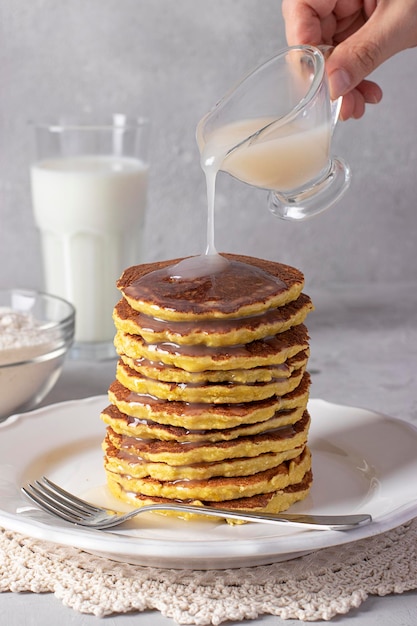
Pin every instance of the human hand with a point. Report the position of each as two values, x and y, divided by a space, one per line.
365 33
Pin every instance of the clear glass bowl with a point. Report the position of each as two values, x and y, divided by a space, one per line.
36 331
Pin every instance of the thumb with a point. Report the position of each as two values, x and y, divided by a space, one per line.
350 66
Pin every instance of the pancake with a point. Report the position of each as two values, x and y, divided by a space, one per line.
219 489
181 454
211 392
271 502
205 415
123 424
167 373
118 461
216 332
155 289
263 352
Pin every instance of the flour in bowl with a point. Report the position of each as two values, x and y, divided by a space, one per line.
31 355
22 337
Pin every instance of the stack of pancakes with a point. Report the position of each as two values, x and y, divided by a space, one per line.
209 405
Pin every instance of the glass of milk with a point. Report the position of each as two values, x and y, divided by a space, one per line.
89 191
273 130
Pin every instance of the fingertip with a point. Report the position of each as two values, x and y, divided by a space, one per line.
371 92
353 106
340 83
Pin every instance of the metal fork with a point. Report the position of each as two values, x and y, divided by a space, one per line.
55 500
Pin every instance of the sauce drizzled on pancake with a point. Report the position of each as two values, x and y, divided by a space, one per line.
235 285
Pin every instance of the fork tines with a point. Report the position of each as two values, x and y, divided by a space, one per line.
57 501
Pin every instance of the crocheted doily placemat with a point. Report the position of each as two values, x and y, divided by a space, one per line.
317 586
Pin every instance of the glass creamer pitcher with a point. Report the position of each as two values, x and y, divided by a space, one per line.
273 131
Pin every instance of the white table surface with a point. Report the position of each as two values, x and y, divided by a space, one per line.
363 353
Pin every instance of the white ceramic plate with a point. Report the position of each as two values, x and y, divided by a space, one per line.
363 462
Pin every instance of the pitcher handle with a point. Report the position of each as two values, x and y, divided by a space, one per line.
326 50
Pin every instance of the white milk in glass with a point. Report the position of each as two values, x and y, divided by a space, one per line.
90 212
279 159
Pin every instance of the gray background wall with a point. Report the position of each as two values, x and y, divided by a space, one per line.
173 60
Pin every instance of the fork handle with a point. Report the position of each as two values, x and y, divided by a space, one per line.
319 522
